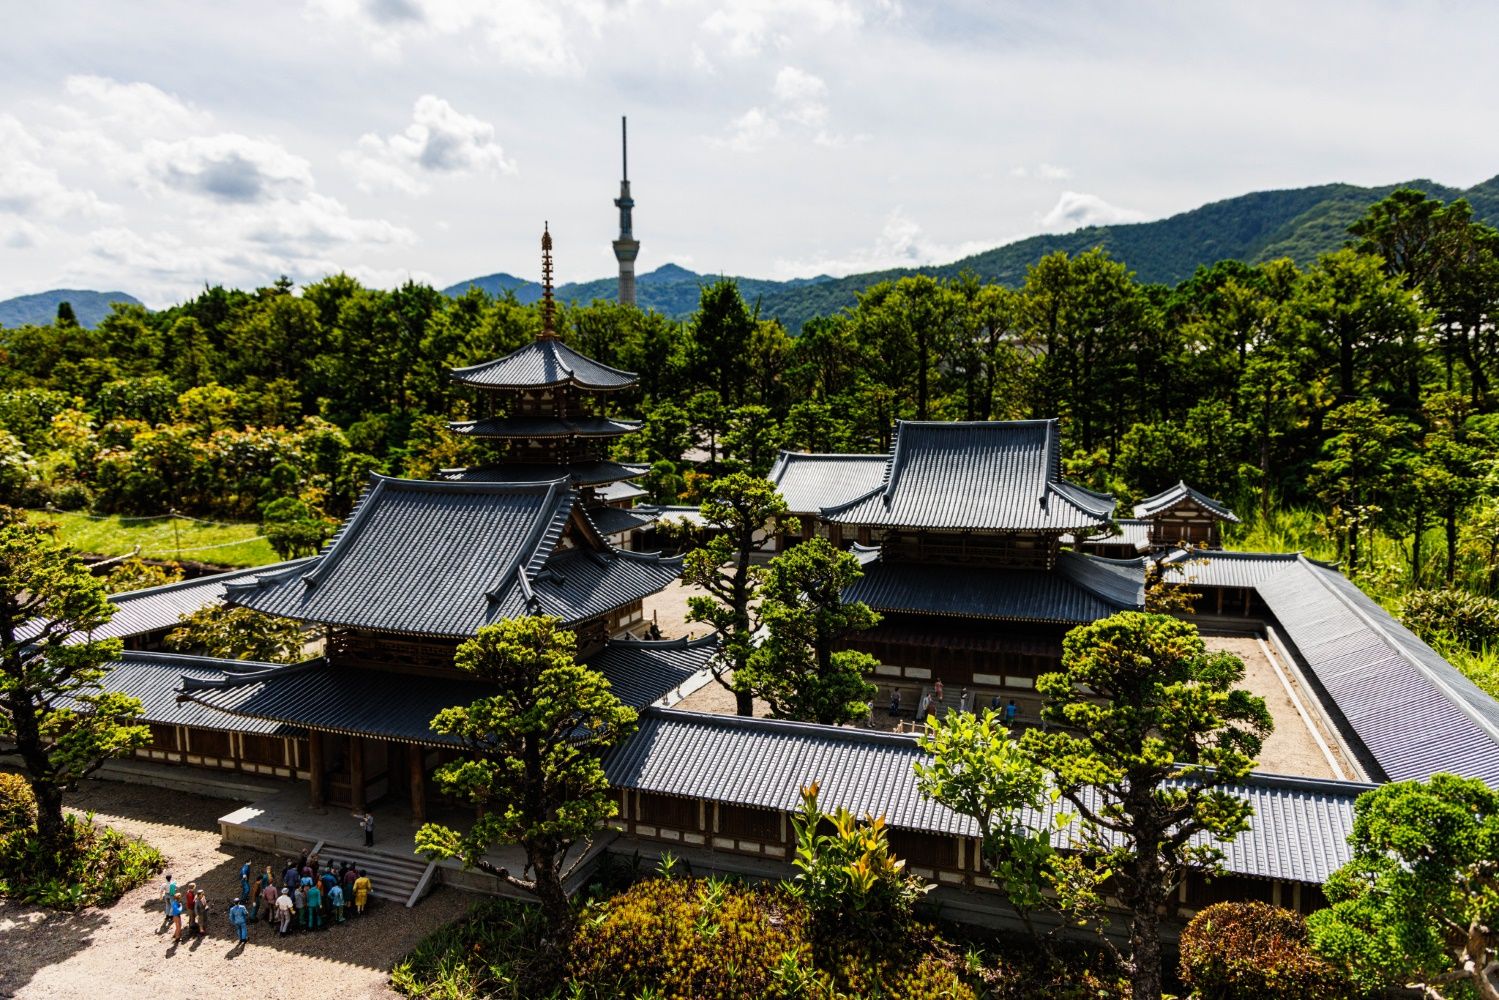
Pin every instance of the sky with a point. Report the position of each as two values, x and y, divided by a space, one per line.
156 146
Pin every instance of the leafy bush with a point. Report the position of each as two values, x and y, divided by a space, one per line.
17 803
1255 951
494 951
98 865
848 877
1452 616
717 940
705 939
72 496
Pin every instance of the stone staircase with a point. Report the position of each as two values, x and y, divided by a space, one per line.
401 880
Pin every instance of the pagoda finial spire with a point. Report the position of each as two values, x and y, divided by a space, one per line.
548 307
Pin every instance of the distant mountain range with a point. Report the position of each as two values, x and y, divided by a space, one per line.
1300 223
88 307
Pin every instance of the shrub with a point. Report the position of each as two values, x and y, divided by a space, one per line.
98 865
705 939
72 496
848 877
1452 615
494 951
1255 951
17 803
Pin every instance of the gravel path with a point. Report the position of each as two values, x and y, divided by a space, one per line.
1291 748
125 951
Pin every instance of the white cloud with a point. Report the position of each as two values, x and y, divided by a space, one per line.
745 28
536 36
440 139
751 131
30 185
1044 171
227 167
138 108
802 96
799 107
1076 211
901 243
17 234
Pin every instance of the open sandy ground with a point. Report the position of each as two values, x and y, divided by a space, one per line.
125 951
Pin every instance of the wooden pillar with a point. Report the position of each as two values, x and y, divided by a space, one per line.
415 758
356 772
315 769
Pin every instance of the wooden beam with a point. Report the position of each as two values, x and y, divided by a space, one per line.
316 792
414 758
356 772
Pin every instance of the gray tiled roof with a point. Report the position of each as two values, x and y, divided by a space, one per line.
613 520
1299 832
581 473
154 678
1410 709
440 558
350 700
615 492
808 483
1157 505
543 427
543 363
642 672
1126 532
977 475
1222 568
1081 589
152 609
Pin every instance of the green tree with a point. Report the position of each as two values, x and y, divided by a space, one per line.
51 707
753 438
1357 473
294 527
720 334
238 634
797 670
533 756
1418 903
978 770
739 510
1148 734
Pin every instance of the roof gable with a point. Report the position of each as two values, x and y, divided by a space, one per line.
1152 507
543 363
810 482
976 475
446 558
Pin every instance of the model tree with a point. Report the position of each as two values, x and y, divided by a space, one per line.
737 508
796 670
533 757
238 634
1418 903
1148 731
51 708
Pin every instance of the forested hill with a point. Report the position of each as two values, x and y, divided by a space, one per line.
88 307
1300 224
669 289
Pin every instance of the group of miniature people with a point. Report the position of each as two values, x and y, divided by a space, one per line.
932 704
308 896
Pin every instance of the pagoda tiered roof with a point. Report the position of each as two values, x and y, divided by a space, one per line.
1081 589
446 558
1152 507
542 364
600 473
544 427
976 476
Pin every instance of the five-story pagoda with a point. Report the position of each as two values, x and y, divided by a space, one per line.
546 407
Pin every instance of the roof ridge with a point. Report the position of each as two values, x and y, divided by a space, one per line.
143 656
209 579
339 545
848 734
1399 649
681 642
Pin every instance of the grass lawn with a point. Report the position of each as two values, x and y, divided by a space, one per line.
163 538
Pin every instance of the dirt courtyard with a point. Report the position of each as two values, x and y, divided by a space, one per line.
1291 748
125 951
